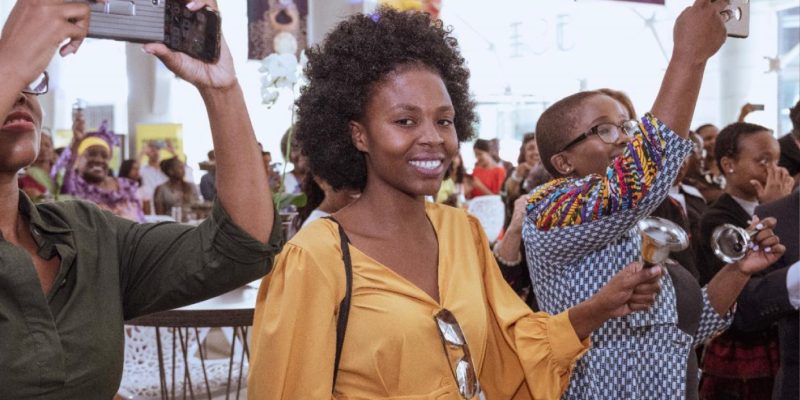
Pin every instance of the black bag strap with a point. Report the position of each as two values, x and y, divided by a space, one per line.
344 306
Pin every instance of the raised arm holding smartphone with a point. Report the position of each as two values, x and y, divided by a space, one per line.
196 32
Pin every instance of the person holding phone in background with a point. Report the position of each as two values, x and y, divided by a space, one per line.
72 273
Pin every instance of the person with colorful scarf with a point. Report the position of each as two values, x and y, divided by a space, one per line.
611 172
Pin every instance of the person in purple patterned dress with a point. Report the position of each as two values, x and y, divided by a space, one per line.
87 173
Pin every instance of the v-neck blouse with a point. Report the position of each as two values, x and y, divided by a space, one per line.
392 347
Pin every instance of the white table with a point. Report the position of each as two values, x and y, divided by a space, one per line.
230 310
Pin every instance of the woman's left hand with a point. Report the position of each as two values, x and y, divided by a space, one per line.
203 75
766 247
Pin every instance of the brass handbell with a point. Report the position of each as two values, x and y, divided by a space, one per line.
730 242
659 238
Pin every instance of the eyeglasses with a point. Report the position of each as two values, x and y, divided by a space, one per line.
607 132
456 349
39 86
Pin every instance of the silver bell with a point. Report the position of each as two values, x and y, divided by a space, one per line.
659 238
730 242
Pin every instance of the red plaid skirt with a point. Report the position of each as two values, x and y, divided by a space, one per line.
736 369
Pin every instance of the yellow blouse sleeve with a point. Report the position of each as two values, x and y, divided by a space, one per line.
536 348
294 328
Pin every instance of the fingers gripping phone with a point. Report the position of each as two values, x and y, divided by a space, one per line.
738 23
167 21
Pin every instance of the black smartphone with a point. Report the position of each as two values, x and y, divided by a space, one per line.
168 21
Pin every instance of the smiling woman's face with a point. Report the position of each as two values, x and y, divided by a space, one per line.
407 134
20 134
93 164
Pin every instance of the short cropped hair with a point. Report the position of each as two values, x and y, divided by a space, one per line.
555 123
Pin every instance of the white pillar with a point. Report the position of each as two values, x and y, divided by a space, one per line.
323 15
743 76
148 91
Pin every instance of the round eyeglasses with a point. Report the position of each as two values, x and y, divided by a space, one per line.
39 86
607 132
456 349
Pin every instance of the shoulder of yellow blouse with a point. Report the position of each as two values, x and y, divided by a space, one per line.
321 235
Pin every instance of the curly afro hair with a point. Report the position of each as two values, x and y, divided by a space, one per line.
359 53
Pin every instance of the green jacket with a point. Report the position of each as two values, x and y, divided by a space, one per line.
68 344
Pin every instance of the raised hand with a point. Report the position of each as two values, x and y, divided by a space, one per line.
35 29
745 111
700 31
779 184
203 75
78 133
766 247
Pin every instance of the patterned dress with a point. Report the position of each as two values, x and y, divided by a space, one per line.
579 233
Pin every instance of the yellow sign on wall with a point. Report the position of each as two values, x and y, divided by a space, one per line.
162 136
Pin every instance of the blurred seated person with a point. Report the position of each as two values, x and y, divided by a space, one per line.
696 172
487 176
37 182
151 172
273 176
292 182
130 169
208 186
527 160
87 173
710 171
175 192
452 188
494 149
323 199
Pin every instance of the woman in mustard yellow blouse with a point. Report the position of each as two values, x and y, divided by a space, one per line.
430 316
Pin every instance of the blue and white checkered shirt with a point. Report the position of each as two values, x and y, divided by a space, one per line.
643 355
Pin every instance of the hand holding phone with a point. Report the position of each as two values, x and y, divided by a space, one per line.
195 31
738 18
203 75
27 48
699 31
